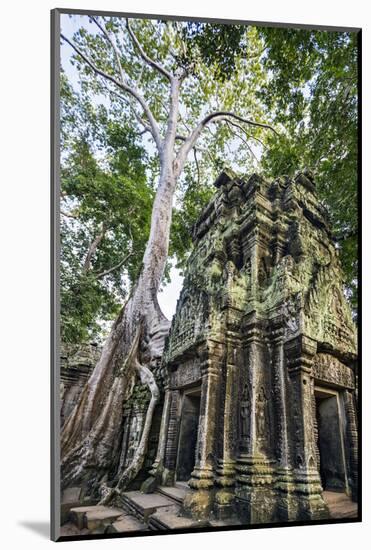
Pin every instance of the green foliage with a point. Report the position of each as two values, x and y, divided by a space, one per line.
111 199
194 198
217 44
307 83
312 92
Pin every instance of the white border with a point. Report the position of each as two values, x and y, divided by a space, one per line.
24 230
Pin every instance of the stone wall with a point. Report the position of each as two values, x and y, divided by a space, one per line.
77 363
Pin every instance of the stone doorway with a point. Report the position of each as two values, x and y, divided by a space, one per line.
188 434
330 440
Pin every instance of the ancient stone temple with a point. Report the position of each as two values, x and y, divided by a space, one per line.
259 410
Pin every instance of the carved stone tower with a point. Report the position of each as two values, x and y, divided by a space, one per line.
259 413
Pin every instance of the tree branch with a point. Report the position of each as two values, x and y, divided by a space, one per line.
197 166
123 86
144 56
160 38
111 269
217 116
92 249
179 137
68 215
115 49
127 100
236 125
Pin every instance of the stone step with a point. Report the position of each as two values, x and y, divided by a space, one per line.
339 514
228 522
71 498
69 529
94 517
333 496
142 505
169 517
176 493
126 524
340 505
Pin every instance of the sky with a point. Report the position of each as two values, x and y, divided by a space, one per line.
168 295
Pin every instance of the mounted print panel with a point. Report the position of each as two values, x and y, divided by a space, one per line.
205 207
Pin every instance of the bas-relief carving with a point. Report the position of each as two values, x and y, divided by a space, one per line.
190 322
262 271
186 374
327 368
262 421
290 312
245 405
328 317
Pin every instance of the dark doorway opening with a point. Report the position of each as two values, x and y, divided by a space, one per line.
188 435
330 441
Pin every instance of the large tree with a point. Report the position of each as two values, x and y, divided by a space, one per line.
145 68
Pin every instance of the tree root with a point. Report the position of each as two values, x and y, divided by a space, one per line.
146 378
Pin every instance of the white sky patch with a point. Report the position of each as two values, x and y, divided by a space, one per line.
169 294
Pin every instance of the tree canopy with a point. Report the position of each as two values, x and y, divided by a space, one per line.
308 89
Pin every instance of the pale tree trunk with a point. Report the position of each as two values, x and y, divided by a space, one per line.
89 440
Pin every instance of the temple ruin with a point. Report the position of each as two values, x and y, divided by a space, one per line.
257 420
259 412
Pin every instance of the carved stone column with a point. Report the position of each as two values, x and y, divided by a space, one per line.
299 354
280 382
226 462
198 503
125 439
254 492
315 432
279 247
286 509
352 436
171 444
